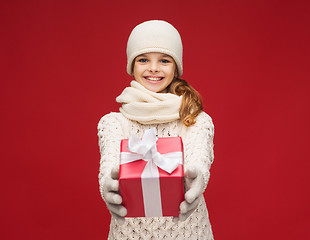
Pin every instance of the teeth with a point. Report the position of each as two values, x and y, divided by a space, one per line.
154 78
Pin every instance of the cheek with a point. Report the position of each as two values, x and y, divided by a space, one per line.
172 72
137 69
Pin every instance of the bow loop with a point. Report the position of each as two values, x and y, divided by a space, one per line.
146 148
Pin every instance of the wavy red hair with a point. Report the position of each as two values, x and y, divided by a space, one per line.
191 104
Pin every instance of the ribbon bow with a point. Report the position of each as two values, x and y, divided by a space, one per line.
146 150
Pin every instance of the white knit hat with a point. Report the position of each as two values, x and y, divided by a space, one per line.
155 36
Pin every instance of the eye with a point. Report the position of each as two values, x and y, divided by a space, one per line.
142 60
165 61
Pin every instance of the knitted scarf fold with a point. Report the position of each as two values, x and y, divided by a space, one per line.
147 107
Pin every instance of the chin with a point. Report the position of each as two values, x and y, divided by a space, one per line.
153 88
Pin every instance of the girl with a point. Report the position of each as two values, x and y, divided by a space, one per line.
158 98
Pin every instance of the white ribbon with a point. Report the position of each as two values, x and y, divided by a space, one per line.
146 150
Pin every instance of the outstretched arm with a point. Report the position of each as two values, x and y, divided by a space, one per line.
198 143
110 135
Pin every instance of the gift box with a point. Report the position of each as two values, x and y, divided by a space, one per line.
151 175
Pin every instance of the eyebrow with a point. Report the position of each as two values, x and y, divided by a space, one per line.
164 55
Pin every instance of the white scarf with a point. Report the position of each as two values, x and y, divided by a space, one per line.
147 107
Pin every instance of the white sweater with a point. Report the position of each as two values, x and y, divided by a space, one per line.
198 151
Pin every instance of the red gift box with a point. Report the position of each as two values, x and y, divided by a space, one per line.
146 189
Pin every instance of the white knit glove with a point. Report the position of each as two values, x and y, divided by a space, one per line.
112 197
193 193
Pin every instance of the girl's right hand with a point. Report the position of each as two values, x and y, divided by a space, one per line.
112 197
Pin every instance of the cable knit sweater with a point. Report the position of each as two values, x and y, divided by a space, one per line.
198 151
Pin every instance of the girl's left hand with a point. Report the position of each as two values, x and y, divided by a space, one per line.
194 191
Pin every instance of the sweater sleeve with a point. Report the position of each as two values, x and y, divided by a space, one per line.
198 146
110 136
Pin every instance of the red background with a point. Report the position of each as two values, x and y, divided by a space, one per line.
62 65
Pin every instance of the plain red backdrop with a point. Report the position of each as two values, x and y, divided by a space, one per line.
62 65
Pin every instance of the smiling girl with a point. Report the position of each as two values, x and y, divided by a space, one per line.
155 71
158 98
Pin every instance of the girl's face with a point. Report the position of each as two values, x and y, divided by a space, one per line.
154 71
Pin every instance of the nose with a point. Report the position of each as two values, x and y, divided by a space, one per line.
153 67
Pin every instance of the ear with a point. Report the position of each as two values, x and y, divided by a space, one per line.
176 73
133 67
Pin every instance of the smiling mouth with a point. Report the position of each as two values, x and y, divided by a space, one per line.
153 78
